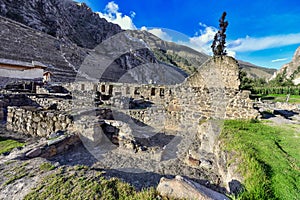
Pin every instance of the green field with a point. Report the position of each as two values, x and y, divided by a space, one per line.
269 158
6 145
279 98
283 97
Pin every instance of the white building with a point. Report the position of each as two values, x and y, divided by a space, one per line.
21 70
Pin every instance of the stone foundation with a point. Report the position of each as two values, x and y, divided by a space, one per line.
37 122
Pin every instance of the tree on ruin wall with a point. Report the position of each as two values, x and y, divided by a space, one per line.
218 45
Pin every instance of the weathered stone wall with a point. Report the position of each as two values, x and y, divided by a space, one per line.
36 122
150 92
269 106
9 99
211 93
217 72
61 103
39 122
1 110
241 107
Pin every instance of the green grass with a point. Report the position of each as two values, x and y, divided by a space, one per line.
46 167
78 183
269 159
282 98
6 145
17 173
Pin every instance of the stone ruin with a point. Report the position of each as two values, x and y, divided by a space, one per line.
146 127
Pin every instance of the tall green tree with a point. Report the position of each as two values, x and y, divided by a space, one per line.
218 45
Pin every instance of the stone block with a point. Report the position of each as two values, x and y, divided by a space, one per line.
36 119
181 188
34 152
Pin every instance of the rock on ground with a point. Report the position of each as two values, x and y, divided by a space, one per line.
181 188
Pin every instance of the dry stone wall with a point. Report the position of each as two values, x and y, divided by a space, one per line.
217 72
46 102
36 122
212 92
2 110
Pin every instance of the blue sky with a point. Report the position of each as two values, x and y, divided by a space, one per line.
265 33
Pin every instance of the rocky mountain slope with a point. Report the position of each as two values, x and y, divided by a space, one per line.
172 53
291 70
66 35
19 42
188 59
254 71
57 33
61 19
69 33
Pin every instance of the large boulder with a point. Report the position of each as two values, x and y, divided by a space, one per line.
181 188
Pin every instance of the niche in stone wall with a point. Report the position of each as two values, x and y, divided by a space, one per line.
110 90
94 87
161 92
127 90
82 87
118 93
152 91
137 91
103 88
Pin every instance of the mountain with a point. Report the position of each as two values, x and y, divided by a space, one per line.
291 70
64 35
71 40
169 52
189 59
19 42
254 71
61 19
59 34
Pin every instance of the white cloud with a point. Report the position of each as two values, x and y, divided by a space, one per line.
112 14
144 28
231 53
132 14
203 39
255 44
279 60
159 33
112 7
200 42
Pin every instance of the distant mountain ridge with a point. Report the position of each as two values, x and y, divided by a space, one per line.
255 71
62 34
193 57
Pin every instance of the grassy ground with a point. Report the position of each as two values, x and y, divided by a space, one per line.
15 174
281 98
77 183
6 145
269 158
